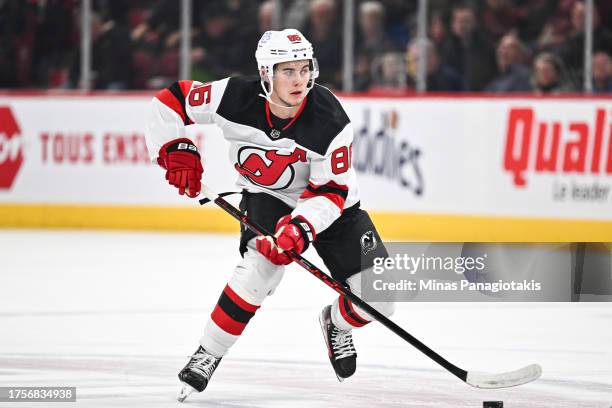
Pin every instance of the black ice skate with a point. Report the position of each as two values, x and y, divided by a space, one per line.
340 346
196 374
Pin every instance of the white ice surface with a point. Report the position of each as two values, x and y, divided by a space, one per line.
116 314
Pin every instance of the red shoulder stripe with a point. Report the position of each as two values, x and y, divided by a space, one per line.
174 97
167 98
185 86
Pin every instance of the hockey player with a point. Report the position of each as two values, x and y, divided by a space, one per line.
290 143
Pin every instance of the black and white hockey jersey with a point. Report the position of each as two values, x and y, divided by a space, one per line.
306 163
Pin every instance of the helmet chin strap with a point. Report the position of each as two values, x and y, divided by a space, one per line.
271 102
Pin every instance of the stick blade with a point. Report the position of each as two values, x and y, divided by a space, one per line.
503 380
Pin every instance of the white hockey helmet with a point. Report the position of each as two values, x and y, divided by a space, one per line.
275 47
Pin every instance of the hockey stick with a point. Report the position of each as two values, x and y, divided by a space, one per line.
473 378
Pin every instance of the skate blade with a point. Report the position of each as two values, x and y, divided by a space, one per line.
186 390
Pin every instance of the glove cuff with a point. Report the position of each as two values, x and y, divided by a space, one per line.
183 144
306 229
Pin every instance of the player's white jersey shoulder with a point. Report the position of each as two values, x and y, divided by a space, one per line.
320 122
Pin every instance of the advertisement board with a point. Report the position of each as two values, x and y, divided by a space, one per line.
441 157
502 157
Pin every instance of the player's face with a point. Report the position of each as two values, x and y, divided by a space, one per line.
290 82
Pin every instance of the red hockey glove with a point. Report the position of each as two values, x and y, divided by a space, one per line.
291 234
184 170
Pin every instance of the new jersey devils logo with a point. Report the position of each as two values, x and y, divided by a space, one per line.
368 242
268 168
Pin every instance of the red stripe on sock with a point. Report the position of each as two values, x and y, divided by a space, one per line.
349 319
239 301
226 323
357 316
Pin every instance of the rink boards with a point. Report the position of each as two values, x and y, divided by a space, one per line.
430 168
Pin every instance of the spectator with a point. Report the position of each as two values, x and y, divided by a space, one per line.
499 17
155 45
514 75
295 13
244 33
389 73
57 39
111 56
437 28
265 16
213 58
362 72
17 35
553 33
605 12
163 20
533 16
440 78
397 14
372 42
572 51
468 51
323 31
548 75
602 73
39 40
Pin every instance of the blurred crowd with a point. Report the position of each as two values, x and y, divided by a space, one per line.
472 46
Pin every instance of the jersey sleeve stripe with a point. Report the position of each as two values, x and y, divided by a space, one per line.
334 198
336 193
330 187
174 98
167 98
178 90
185 87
